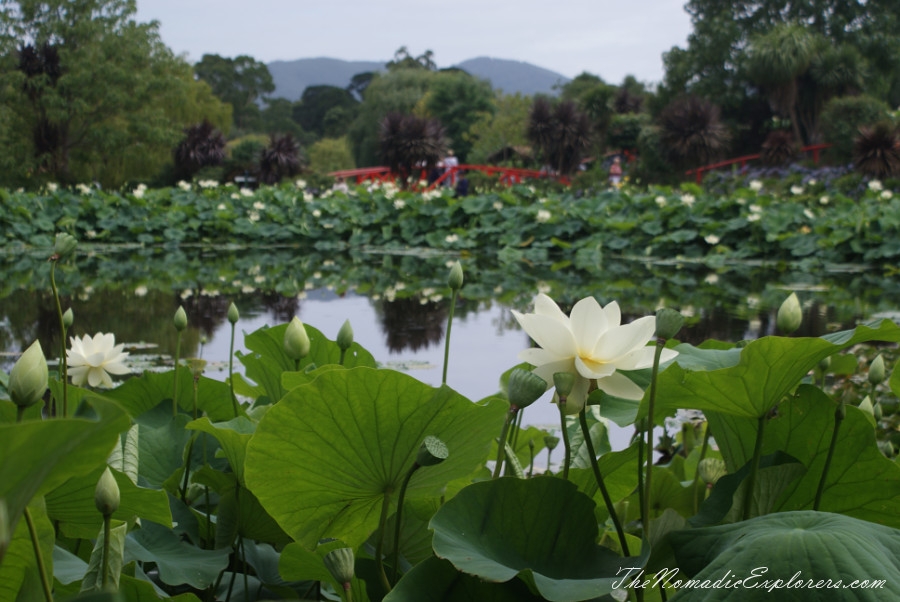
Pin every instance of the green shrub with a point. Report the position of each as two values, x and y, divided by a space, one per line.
841 119
330 154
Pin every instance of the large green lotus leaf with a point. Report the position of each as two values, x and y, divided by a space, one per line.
72 504
267 360
619 476
803 429
298 564
38 456
769 368
139 395
599 438
233 436
178 561
322 459
93 578
67 567
542 529
19 577
812 545
161 446
436 580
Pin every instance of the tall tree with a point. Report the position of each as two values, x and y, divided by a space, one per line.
87 93
457 99
560 133
242 82
317 102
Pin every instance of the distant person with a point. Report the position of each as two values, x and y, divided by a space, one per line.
615 172
450 164
340 185
462 185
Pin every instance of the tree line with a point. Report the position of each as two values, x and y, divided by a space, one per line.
87 94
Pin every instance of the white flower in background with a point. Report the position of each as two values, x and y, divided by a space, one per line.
327 263
592 344
246 192
399 204
543 287
543 216
222 206
875 186
711 278
498 205
753 217
328 226
209 184
542 200
796 189
258 205
886 194
186 293
308 197
92 359
140 291
711 239
139 191
756 185
184 185
660 200
317 275
259 279
235 196
532 189
740 201
300 184
85 189
91 234
247 289
756 209
52 186
451 238
327 193
688 199
253 216
809 214
823 200
812 182
316 213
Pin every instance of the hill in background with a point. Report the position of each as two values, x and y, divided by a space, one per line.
292 77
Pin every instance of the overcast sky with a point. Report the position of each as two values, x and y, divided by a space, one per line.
604 37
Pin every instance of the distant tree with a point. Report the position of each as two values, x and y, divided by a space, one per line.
560 133
241 82
409 142
691 133
456 99
779 148
330 154
503 128
841 119
280 159
278 116
629 98
317 101
876 150
203 146
359 83
404 60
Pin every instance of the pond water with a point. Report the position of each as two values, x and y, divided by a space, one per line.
397 304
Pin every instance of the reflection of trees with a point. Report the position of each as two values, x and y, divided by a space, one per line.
411 324
283 308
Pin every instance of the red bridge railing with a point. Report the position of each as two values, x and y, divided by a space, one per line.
506 175
815 149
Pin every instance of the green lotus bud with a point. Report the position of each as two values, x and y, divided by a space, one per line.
106 495
180 319
233 314
524 388
563 381
455 280
5 531
876 370
668 323
711 470
789 315
866 406
28 378
68 318
340 563
886 448
345 336
825 364
63 245
877 411
296 341
432 451
550 442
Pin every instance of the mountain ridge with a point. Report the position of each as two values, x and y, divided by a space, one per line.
510 76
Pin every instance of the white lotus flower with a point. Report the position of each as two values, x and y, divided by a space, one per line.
875 186
711 239
543 216
592 344
92 359
756 185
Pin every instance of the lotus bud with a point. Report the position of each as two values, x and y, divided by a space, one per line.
5 531
550 442
180 319
233 314
432 451
340 563
668 323
825 364
866 406
524 388
63 245
564 382
345 336
711 470
877 411
68 318
876 370
106 495
296 341
789 315
28 378
885 447
455 280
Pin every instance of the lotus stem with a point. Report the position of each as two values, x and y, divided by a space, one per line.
63 366
531 461
379 547
703 451
175 385
501 445
515 436
586 432
645 509
453 294
104 559
754 466
245 567
396 554
234 403
642 426
839 415
187 470
565 438
42 569
549 451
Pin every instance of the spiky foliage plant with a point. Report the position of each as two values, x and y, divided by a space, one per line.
409 142
876 150
779 148
560 133
691 133
280 159
203 146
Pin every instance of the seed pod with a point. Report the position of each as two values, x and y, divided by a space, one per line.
63 245
345 336
668 323
711 470
550 442
340 563
29 377
432 451
106 495
524 388
296 341
180 319
564 382
233 314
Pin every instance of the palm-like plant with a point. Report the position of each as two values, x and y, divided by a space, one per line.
409 142
280 159
560 133
877 150
690 131
203 146
779 148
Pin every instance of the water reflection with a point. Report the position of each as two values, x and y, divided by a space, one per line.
412 324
